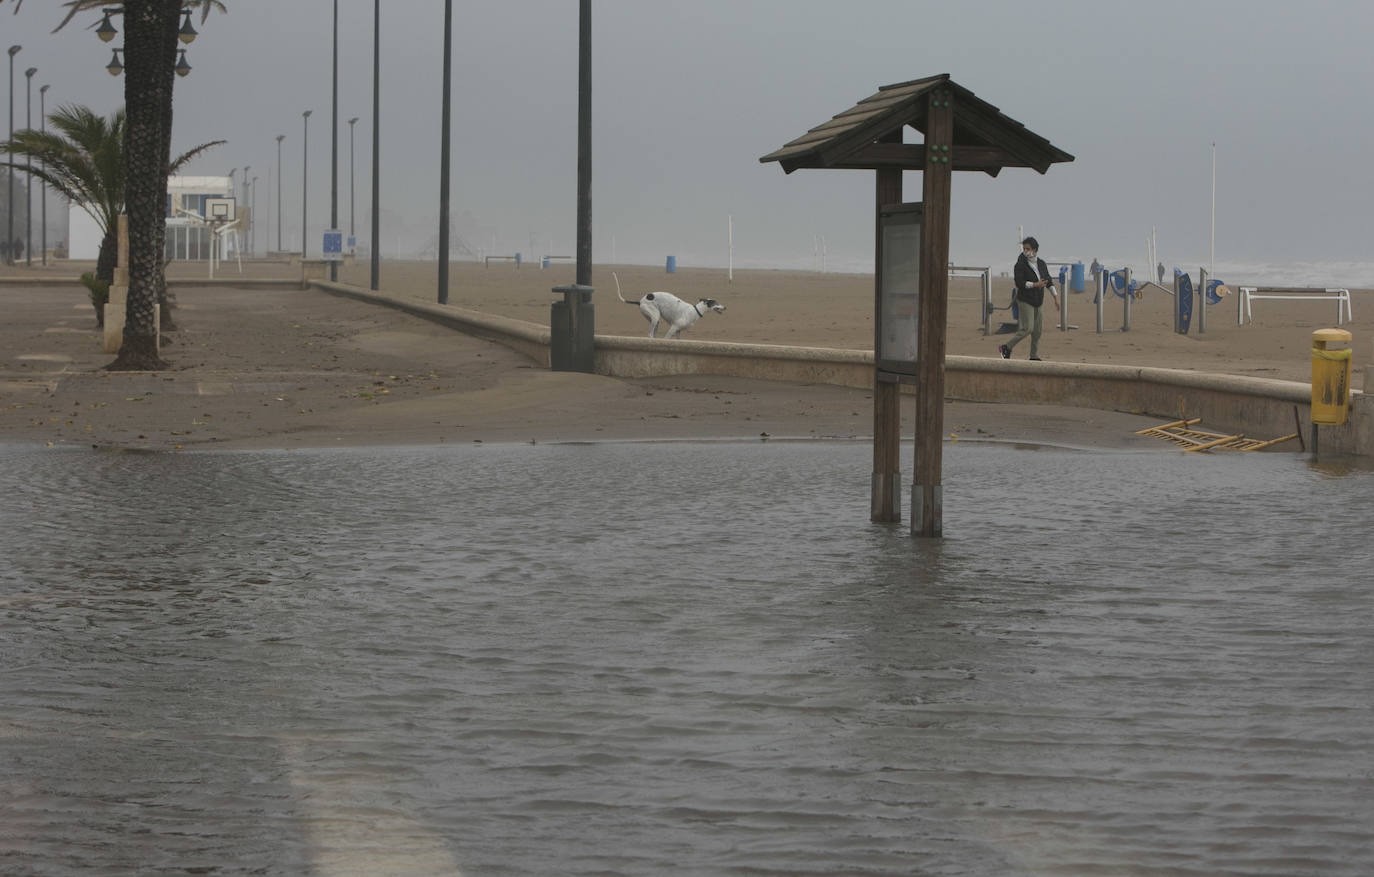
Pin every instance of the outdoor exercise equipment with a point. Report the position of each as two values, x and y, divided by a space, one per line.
1119 282
1248 294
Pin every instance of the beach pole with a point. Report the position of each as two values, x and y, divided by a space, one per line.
1178 307
730 220
1126 309
1204 276
1101 296
1064 305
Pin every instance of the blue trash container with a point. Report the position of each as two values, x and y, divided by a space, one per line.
1076 277
672 264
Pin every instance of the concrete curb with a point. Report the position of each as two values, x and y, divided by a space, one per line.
172 283
1255 407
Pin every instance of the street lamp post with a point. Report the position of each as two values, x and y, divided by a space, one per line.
305 176
9 219
43 126
252 211
334 145
376 143
28 169
352 231
444 155
247 230
280 138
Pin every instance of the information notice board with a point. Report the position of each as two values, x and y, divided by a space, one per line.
899 285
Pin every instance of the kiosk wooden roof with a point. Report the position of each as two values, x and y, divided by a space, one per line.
984 139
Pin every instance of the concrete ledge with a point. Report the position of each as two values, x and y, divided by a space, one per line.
172 282
531 339
22 280
232 282
1255 407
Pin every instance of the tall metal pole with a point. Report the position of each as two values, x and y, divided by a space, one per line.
1212 252
305 177
43 127
444 154
253 212
247 202
9 220
584 145
334 145
352 231
280 138
376 142
28 167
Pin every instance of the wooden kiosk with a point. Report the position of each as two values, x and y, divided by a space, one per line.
911 266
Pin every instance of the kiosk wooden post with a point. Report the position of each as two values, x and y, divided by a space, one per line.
926 499
887 396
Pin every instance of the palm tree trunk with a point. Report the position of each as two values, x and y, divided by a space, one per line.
150 39
109 253
104 267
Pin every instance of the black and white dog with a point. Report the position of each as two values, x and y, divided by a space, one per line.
656 306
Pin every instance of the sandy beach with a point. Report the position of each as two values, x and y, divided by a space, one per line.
271 367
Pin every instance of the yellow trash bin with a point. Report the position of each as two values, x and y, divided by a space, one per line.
1330 377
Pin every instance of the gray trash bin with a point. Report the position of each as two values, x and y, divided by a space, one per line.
572 330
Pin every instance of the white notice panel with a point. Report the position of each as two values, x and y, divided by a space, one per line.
899 285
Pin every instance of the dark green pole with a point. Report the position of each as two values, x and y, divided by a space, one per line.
443 154
334 144
584 145
376 142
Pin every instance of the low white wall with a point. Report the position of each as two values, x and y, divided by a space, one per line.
84 235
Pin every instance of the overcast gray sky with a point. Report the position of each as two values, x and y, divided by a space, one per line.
689 95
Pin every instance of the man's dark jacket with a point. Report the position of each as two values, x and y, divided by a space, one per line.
1026 273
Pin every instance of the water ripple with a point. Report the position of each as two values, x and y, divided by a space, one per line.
577 659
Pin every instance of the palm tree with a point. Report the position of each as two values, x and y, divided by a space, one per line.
82 157
150 56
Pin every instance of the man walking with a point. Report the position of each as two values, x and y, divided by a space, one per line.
1032 277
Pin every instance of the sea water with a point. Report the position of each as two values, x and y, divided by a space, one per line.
696 658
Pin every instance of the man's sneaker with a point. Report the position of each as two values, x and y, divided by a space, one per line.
1005 351
1035 359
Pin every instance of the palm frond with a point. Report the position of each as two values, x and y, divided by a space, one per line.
76 7
181 160
82 157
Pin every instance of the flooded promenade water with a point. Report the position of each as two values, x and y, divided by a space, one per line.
682 658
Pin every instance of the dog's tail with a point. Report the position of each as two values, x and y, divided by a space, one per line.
617 291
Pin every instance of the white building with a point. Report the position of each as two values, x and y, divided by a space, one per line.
187 235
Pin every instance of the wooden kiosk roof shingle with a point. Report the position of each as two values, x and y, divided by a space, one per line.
984 139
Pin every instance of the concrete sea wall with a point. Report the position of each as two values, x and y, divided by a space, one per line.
1258 408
